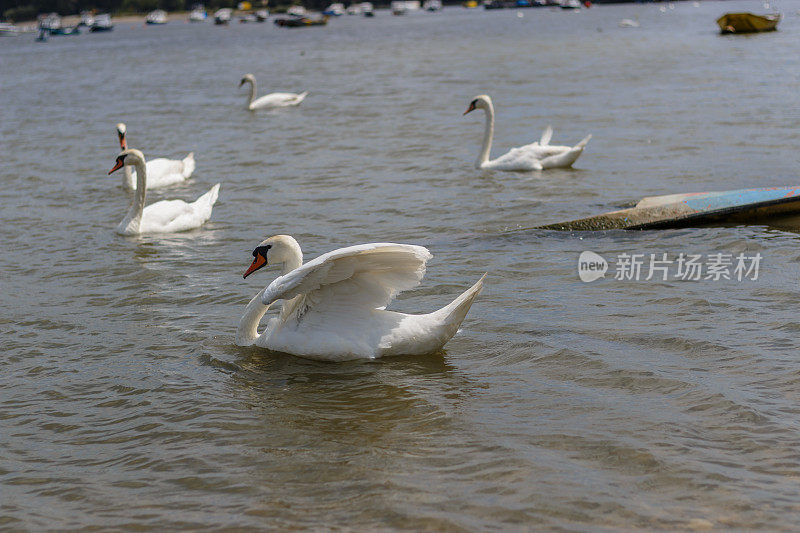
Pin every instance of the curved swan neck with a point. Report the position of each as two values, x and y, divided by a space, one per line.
247 332
133 220
127 178
252 83
488 135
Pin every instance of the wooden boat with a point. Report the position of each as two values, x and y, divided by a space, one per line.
748 22
695 209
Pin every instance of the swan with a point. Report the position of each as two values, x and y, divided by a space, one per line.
270 100
334 306
160 172
535 156
166 216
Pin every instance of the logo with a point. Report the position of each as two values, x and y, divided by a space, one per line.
591 266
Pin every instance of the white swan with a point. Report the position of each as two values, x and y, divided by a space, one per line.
160 172
270 100
166 216
334 305
536 156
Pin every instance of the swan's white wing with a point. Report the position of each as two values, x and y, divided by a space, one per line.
277 100
366 276
157 168
547 134
522 158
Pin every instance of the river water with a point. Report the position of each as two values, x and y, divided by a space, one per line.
616 404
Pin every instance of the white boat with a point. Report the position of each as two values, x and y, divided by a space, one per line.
297 11
198 14
87 19
354 9
570 4
367 9
334 10
262 15
102 23
432 5
159 16
401 7
50 21
223 16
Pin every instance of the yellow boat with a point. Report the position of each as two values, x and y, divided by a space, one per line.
748 22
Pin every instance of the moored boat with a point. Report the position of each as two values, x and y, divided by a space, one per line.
748 22
334 10
157 17
198 14
101 23
223 16
367 9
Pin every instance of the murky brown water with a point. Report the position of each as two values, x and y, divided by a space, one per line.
653 404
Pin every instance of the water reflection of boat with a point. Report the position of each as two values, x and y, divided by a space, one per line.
301 22
157 17
748 22
223 16
102 23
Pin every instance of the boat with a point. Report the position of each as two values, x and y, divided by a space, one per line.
8 29
297 11
301 22
432 5
247 17
198 14
354 9
157 17
101 23
334 10
223 16
570 4
741 206
262 15
470 4
401 7
87 19
748 22
367 9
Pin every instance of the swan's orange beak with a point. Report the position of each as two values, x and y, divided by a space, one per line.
117 166
470 108
258 262
123 144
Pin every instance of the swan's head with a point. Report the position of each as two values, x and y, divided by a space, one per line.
276 250
479 102
247 78
121 129
128 157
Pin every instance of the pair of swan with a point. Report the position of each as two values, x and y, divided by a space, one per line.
166 216
270 100
161 172
536 156
334 306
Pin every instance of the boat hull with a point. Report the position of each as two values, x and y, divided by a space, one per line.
747 22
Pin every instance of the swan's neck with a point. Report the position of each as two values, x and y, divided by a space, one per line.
488 135
128 177
132 222
252 92
247 333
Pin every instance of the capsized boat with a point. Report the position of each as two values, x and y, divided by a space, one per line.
695 209
748 22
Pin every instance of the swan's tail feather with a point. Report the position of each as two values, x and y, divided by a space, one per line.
453 314
547 134
188 165
581 145
301 97
209 198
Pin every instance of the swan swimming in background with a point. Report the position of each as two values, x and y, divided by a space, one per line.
334 306
161 172
270 100
166 216
536 156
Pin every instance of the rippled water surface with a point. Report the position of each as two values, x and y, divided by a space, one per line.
618 404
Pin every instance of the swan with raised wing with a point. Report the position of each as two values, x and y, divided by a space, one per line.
161 172
334 306
166 216
535 156
272 99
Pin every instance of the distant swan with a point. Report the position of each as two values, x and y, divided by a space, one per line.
536 156
166 216
160 172
270 100
334 306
